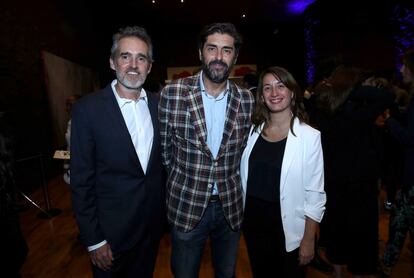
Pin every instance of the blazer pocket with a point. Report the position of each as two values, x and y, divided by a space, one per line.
186 143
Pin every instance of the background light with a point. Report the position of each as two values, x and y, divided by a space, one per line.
298 6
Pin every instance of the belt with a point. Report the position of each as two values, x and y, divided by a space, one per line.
214 198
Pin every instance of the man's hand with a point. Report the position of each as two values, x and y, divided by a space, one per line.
102 257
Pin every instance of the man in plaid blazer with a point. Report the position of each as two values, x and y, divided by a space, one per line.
204 123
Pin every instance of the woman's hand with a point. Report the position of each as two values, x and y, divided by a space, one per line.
306 251
307 245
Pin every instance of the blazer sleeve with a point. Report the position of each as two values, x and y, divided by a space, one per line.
83 175
315 197
164 110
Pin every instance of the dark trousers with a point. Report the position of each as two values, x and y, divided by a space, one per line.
138 261
352 227
266 244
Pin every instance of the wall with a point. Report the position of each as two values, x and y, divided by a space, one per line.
26 28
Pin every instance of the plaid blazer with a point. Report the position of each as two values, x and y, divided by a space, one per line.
192 169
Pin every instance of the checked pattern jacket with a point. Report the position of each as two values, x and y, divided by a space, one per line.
192 169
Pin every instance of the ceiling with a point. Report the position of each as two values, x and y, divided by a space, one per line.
270 27
177 16
198 11
167 13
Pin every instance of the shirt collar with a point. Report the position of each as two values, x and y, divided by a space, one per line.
122 101
220 96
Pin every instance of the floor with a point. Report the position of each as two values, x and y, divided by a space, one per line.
54 250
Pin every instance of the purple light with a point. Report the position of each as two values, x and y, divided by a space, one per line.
298 6
403 19
310 25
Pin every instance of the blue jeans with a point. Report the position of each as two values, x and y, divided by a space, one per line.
187 248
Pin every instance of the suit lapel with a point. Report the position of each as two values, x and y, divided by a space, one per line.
120 127
290 153
152 106
196 108
233 105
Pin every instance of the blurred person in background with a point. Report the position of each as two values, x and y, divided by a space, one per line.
402 216
13 245
345 112
70 101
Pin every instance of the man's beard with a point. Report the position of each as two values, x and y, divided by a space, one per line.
132 85
213 75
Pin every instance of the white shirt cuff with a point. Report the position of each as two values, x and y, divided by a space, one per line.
96 246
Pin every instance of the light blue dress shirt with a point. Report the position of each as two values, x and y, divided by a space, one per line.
215 116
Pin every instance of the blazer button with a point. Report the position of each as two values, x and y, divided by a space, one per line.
216 164
209 185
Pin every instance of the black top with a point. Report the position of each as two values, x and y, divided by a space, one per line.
350 144
405 135
265 165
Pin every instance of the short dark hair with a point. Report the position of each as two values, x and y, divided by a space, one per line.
222 28
134 31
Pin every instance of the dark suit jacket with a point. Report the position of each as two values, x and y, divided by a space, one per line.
405 135
112 198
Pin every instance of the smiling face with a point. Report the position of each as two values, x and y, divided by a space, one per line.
276 96
218 57
131 64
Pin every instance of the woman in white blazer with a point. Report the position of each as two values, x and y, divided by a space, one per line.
283 180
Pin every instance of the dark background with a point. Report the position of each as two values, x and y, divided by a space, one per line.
359 32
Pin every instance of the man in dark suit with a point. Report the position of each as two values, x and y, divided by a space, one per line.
204 123
117 181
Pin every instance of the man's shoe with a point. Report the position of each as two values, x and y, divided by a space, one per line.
320 264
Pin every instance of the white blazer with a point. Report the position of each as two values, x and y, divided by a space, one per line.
301 180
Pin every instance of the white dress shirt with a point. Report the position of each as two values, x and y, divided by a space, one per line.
138 121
